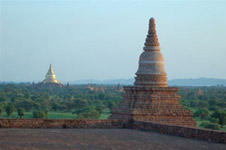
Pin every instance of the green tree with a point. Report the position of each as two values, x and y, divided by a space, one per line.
214 120
111 104
2 105
221 115
2 97
99 106
222 104
40 114
213 102
214 108
10 108
202 114
208 125
27 95
82 110
67 97
1 110
194 103
91 114
26 104
80 103
20 112
203 104
56 106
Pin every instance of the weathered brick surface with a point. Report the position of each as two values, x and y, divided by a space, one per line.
150 99
60 123
194 133
97 139
153 104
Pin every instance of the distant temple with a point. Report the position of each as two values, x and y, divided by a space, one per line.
50 76
50 79
150 99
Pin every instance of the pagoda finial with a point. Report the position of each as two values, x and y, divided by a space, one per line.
51 69
151 29
152 39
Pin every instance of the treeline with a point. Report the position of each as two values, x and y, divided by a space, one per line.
82 100
207 103
90 101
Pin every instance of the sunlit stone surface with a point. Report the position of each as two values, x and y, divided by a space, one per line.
150 99
151 71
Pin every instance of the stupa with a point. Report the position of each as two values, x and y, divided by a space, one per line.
50 79
50 76
150 99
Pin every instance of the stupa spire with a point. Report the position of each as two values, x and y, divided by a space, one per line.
151 42
51 69
151 70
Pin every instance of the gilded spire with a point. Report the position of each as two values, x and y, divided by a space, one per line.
50 76
151 42
50 69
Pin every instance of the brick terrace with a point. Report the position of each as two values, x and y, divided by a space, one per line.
68 139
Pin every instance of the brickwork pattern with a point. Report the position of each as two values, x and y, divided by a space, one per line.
194 133
153 104
151 80
60 123
188 132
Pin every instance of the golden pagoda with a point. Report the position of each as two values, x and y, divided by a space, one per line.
50 76
50 80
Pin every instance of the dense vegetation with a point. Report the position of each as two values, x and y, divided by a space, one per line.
208 105
82 101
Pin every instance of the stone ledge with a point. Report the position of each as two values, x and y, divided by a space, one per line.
60 123
147 88
182 131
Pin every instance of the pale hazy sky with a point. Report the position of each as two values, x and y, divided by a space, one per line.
102 39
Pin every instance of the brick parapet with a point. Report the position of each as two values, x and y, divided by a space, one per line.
60 123
182 131
153 104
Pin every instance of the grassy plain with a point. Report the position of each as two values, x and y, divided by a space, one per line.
104 115
69 115
54 115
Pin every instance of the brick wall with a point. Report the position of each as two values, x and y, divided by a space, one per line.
182 131
60 123
194 133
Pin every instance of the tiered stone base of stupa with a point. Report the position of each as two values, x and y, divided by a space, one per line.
153 104
43 84
151 80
